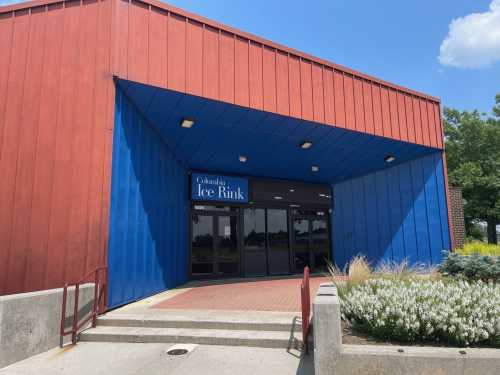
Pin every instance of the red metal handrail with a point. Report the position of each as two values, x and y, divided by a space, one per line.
99 278
305 297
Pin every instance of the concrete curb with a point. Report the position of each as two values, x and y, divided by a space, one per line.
333 357
30 322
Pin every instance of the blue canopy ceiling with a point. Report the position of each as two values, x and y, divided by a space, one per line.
222 132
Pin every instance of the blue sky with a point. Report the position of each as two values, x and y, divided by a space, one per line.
398 41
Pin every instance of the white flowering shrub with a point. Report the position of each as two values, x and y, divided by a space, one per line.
456 311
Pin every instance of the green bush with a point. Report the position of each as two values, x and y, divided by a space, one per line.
473 266
477 247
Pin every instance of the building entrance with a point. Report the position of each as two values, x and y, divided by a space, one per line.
279 229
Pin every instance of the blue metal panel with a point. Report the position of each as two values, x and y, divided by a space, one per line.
148 217
433 215
405 212
420 209
407 200
384 224
223 131
338 226
442 201
359 215
395 214
372 223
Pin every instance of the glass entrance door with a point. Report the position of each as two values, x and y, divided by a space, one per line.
214 245
311 243
226 246
254 241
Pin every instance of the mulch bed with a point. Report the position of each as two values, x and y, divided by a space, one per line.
353 337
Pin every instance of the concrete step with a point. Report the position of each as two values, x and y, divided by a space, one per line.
232 337
166 321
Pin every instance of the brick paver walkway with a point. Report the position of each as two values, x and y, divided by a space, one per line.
265 295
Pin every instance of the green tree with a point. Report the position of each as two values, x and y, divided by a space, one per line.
472 142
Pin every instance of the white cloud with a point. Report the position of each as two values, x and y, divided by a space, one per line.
473 41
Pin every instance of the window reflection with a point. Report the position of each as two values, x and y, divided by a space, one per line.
202 244
255 228
277 229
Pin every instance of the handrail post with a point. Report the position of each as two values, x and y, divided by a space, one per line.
63 315
94 308
306 308
100 278
74 329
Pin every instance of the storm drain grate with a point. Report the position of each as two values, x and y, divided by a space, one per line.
181 349
177 351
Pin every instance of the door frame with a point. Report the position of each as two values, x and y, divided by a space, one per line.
310 219
238 212
214 214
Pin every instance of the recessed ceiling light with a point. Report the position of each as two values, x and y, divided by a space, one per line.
242 158
389 158
292 190
187 123
321 195
295 205
306 145
315 168
278 198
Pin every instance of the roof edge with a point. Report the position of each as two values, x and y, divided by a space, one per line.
237 32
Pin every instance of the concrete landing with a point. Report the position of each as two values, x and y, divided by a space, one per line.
151 359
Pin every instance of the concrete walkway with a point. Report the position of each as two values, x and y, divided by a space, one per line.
151 359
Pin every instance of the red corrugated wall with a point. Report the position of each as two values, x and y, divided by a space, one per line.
56 100
56 113
166 47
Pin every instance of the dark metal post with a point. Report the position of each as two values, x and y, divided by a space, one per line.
63 315
96 293
74 328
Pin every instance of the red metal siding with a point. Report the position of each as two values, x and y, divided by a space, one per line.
227 67
349 102
176 56
306 90
157 54
282 93
377 110
255 76
241 75
340 118
294 87
318 94
269 79
52 150
237 65
368 105
165 46
386 112
194 57
329 96
359 111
